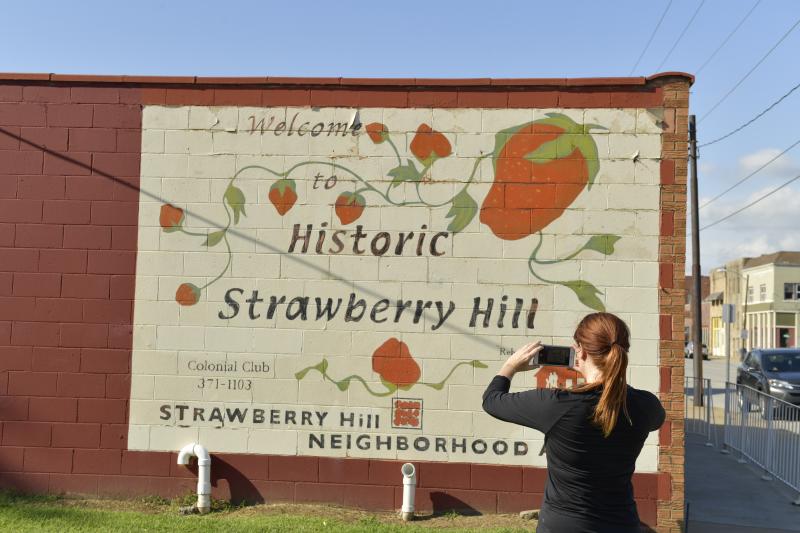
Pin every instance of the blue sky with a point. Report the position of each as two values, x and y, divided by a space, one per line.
469 39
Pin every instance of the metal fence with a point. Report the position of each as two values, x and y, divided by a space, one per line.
699 419
764 431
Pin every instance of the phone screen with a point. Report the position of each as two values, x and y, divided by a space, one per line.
555 356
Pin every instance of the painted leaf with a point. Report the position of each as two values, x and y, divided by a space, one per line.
575 136
321 367
403 173
558 148
235 198
213 238
391 387
586 293
602 243
282 184
588 148
589 127
561 121
500 140
462 210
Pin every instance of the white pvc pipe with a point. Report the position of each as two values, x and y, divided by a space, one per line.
409 488
203 473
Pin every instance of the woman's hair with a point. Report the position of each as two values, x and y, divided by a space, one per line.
606 339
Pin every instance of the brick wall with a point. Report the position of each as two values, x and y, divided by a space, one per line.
672 253
70 154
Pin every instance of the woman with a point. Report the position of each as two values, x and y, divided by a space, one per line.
593 432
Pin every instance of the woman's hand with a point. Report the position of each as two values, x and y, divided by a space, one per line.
520 360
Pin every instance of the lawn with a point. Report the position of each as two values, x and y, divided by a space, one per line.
22 513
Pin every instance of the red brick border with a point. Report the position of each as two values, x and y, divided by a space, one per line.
67 272
672 256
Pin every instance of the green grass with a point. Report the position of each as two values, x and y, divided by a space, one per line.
24 513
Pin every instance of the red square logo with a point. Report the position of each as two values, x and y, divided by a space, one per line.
406 413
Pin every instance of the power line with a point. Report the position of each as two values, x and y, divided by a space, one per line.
758 116
652 35
728 38
749 72
696 11
751 204
756 171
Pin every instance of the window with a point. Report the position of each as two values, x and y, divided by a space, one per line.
762 290
750 292
791 291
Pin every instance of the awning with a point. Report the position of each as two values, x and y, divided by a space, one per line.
714 296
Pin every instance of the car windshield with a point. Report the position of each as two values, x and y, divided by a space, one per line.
781 362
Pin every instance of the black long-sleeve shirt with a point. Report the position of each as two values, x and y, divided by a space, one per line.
589 487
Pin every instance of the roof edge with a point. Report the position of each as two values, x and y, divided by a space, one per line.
332 81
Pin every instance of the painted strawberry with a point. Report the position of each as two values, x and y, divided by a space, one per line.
377 132
539 169
171 217
349 206
282 194
429 145
187 294
393 362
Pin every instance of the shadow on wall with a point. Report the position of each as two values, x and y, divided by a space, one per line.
241 489
443 502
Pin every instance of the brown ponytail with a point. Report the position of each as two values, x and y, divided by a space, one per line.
606 339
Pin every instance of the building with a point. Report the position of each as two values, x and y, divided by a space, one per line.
147 213
726 286
704 308
766 293
773 300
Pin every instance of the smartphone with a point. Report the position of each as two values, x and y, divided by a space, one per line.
555 356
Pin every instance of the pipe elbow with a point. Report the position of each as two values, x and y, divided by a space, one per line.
202 454
409 473
185 454
194 450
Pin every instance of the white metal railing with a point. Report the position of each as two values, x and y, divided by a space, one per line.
765 431
699 419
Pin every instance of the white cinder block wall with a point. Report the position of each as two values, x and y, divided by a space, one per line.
232 383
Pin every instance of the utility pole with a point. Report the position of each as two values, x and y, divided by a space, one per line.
697 318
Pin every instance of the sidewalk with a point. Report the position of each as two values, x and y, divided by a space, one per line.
725 496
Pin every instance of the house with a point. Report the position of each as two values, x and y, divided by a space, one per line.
765 291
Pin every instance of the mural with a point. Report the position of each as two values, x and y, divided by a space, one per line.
540 168
312 285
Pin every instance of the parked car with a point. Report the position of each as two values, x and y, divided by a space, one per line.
688 350
772 371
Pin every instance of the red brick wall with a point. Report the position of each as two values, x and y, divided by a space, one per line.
69 167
